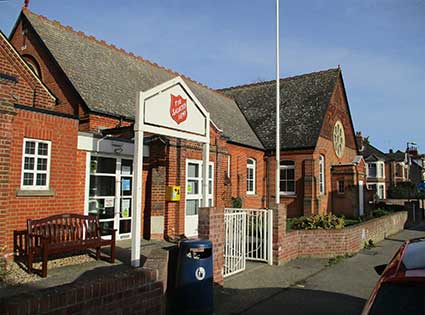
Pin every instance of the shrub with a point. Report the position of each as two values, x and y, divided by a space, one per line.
405 190
237 202
323 221
379 213
3 267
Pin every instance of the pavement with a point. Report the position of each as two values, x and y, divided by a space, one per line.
308 285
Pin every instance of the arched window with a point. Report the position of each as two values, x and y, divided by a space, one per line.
33 64
322 174
287 177
250 177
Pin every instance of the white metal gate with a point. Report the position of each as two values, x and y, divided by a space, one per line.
248 236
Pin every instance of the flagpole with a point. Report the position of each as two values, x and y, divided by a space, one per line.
277 106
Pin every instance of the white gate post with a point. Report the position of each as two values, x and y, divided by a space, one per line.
270 235
138 179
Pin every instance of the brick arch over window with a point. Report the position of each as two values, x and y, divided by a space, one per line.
33 64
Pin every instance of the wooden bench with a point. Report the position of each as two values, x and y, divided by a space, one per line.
64 233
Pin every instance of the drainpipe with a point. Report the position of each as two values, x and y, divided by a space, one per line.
267 187
215 197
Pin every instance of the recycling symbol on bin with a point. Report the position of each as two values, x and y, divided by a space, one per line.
200 273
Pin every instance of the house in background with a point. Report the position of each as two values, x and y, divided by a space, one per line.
399 167
377 167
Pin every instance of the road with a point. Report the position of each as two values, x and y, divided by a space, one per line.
310 286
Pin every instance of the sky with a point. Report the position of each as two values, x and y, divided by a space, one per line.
380 45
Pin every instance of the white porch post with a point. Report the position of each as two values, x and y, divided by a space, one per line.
138 179
205 163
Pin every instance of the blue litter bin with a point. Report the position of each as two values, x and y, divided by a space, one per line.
194 279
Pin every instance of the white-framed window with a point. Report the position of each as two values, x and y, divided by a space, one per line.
287 177
321 174
35 164
229 161
378 188
194 186
376 169
250 176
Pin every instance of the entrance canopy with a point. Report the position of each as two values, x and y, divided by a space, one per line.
169 109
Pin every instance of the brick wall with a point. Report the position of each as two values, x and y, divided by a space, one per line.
133 292
68 101
239 156
33 119
177 153
328 243
67 170
27 89
211 227
293 203
7 114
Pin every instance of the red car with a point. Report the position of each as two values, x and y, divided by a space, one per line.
401 287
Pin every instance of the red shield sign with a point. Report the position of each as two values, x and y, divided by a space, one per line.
178 108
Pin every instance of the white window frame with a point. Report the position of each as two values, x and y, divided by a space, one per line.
322 174
287 167
229 161
198 196
378 185
253 168
35 171
380 169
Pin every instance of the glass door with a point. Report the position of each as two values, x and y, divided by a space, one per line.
102 191
126 196
110 193
194 194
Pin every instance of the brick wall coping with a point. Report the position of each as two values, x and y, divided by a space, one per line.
106 292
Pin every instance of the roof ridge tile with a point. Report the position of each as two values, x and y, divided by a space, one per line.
120 50
296 77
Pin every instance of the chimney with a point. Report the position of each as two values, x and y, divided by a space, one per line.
359 141
391 151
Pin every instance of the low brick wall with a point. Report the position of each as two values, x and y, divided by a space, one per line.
328 243
135 291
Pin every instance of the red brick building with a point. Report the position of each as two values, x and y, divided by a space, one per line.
79 105
320 168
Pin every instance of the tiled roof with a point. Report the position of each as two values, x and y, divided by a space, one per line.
370 153
397 156
107 78
304 102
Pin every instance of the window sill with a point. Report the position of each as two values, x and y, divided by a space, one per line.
251 195
294 195
34 193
